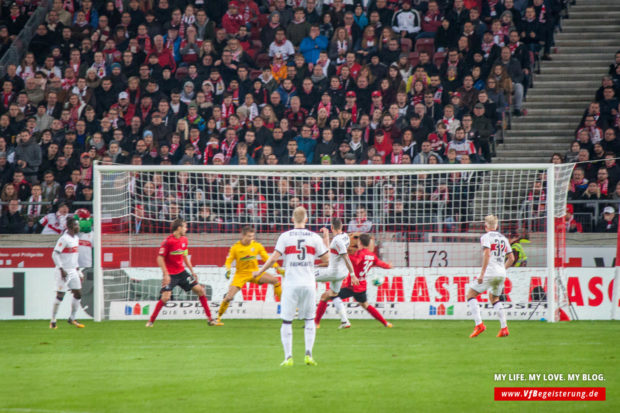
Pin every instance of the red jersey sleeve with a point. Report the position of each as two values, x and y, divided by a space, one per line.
163 250
380 263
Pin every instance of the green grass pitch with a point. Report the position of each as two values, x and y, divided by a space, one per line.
182 366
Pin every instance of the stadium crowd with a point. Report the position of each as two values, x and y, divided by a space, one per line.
596 185
167 82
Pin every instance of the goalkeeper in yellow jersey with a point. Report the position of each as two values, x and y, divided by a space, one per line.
245 253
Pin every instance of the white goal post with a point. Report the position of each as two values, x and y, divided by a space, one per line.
426 220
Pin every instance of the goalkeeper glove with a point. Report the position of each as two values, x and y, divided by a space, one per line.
227 274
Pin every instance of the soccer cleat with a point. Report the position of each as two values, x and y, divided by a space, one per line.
149 324
503 332
75 323
287 363
477 330
344 324
53 325
218 322
317 326
309 361
389 325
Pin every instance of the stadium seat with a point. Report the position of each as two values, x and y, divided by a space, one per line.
263 60
181 72
406 45
428 45
414 58
439 58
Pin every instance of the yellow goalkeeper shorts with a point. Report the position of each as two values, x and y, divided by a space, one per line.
239 280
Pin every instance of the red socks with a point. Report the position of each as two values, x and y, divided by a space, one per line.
205 305
320 310
158 307
376 314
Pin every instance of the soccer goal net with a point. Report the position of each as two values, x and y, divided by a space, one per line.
426 220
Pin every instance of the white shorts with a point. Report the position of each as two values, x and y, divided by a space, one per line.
301 298
333 276
494 284
71 282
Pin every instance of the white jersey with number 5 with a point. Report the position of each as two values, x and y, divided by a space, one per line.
299 248
499 247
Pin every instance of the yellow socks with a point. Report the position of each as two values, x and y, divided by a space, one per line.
223 308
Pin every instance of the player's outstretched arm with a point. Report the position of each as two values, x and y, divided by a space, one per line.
272 260
510 259
325 234
264 256
486 257
349 264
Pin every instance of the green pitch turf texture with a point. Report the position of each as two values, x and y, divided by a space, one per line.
182 366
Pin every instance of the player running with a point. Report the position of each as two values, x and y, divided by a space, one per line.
67 273
363 260
172 256
339 267
300 248
497 256
245 253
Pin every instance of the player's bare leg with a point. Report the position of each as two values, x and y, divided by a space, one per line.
163 299
75 306
286 334
232 291
270 279
475 311
202 297
376 314
499 307
59 296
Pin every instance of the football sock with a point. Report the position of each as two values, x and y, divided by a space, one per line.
277 289
55 309
499 307
309 335
475 310
223 308
376 314
75 306
341 310
320 310
205 305
286 333
158 307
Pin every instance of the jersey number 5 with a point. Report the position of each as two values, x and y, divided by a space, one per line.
302 250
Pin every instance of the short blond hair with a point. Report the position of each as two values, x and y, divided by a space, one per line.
490 221
299 215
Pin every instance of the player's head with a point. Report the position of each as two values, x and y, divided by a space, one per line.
73 225
490 222
365 240
300 215
179 225
336 224
247 234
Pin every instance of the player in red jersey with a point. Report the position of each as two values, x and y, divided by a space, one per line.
363 260
173 260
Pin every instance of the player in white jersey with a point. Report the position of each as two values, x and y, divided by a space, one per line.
299 247
67 273
497 256
339 267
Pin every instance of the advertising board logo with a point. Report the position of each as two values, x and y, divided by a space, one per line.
136 309
440 310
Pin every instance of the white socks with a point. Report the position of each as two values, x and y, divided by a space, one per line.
309 335
286 333
75 306
55 309
475 310
499 307
341 310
